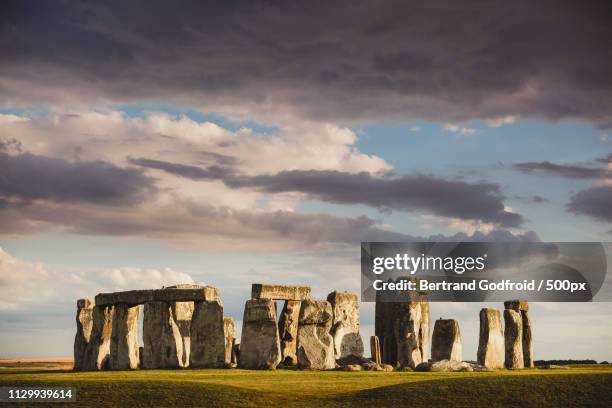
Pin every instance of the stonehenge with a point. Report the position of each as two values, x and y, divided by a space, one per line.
519 345
185 326
491 339
403 331
260 343
446 340
315 344
345 324
84 321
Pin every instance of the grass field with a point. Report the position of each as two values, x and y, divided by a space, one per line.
586 385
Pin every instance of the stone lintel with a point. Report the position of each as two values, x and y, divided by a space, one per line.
518 305
279 292
135 297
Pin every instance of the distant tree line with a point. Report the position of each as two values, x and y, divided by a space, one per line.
566 362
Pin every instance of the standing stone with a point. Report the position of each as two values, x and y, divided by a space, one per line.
375 349
208 335
84 321
124 353
260 343
288 328
229 332
235 353
424 330
446 340
527 341
345 326
315 346
403 331
491 339
166 334
513 339
97 353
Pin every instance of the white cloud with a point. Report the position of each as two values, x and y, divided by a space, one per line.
450 127
501 121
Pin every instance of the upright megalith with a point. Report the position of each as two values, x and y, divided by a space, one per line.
491 339
527 341
513 334
375 349
97 352
345 325
260 343
229 334
403 330
84 321
207 335
124 352
166 334
446 340
315 345
288 328
522 306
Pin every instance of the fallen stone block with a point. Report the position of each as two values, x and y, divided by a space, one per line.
124 353
446 340
345 325
315 346
260 342
491 339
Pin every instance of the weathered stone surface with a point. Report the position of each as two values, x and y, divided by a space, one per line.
235 353
166 334
229 333
513 334
518 305
527 341
491 339
97 352
124 353
375 349
446 340
315 346
135 297
260 343
445 366
279 292
84 321
403 331
208 335
345 325
288 327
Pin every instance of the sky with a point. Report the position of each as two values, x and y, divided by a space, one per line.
227 143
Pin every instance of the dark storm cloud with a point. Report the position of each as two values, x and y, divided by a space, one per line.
561 170
340 60
458 199
27 177
594 201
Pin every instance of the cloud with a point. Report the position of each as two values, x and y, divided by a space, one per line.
270 59
455 199
28 177
501 121
595 202
561 170
449 127
532 199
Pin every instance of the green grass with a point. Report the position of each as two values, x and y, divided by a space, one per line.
579 386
